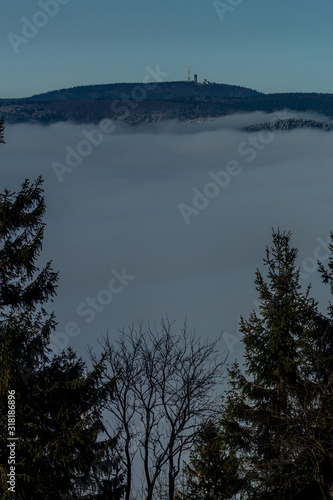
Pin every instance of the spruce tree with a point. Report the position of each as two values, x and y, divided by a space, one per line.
213 472
276 428
263 410
320 356
58 420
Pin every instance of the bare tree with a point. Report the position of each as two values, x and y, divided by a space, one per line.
163 389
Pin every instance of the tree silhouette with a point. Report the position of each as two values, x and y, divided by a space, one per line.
58 421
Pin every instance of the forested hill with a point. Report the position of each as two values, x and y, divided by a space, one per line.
144 104
139 91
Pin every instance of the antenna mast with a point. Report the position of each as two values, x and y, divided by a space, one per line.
189 73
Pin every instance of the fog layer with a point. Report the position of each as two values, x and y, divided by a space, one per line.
172 219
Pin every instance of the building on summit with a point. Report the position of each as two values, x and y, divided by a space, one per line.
195 77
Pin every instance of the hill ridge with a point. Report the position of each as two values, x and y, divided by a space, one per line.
140 91
134 104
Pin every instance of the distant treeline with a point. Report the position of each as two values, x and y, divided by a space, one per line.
290 124
155 103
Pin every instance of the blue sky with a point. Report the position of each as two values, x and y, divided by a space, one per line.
269 45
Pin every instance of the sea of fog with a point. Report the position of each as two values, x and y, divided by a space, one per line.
171 219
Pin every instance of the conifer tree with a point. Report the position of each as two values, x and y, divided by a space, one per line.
277 421
213 472
57 401
263 411
320 387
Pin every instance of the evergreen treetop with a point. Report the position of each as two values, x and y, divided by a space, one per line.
266 412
